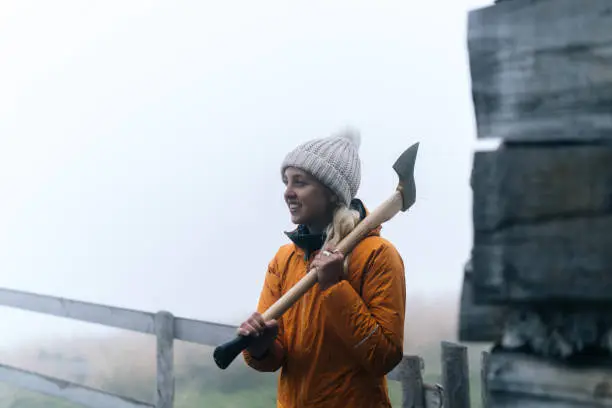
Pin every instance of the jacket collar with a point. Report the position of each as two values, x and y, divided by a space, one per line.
312 242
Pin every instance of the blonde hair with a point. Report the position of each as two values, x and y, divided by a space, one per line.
343 222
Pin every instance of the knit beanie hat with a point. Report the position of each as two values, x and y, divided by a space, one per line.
333 160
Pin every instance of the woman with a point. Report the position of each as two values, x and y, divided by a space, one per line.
337 343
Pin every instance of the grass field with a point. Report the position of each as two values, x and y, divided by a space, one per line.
126 366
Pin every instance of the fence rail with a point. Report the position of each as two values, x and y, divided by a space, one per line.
80 394
167 328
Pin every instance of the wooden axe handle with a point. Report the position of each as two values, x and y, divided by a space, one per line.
383 213
227 352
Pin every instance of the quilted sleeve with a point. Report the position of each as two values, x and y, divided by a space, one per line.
372 326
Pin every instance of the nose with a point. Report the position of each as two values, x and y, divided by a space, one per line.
289 193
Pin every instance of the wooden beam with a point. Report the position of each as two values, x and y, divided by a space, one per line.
111 316
539 184
205 333
410 375
55 387
164 330
540 70
478 322
564 332
399 371
542 220
434 395
484 387
194 331
542 207
560 260
455 375
519 380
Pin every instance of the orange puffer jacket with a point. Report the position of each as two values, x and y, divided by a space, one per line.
335 347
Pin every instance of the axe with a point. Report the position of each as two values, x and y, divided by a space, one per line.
402 199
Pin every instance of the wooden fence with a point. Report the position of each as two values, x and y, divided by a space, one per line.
167 328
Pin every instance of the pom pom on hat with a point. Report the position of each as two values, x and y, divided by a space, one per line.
333 160
352 136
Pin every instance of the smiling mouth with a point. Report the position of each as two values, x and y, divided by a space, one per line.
293 207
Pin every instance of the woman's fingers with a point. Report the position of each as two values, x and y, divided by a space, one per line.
271 324
257 325
264 331
321 261
254 326
258 320
246 329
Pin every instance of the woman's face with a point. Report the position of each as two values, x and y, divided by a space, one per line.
308 200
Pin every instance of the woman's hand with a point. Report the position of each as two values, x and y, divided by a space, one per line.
263 333
330 268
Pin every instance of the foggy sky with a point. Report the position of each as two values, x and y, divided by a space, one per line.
140 143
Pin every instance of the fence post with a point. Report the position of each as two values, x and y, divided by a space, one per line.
455 375
484 386
412 382
164 330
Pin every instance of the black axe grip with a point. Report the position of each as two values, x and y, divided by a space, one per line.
227 352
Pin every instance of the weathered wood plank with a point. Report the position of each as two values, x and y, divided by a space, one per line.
434 395
477 322
558 260
398 373
484 386
164 330
520 380
526 184
560 331
200 332
540 69
542 221
86 396
455 375
194 331
508 400
409 373
412 382
84 311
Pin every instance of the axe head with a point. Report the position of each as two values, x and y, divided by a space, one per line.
404 167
